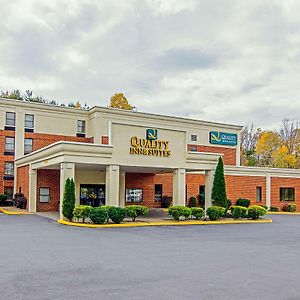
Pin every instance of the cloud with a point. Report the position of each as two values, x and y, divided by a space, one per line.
233 61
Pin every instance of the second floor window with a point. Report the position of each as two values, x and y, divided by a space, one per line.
28 145
29 121
81 126
9 144
10 119
9 168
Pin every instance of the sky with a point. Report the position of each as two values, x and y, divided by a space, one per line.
233 61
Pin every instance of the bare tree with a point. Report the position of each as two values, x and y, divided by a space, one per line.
289 133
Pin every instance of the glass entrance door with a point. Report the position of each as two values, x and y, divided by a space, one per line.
92 194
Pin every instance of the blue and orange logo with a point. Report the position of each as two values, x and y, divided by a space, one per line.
151 134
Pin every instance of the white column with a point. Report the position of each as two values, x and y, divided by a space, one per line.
67 170
112 185
179 187
122 189
32 190
268 190
209 179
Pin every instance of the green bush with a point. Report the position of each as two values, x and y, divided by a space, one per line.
117 214
197 212
256 211
215 212
98 215
274 208
176 212
82 212
69 199
133 211
3 199
229 203
239 212
107 208
289 207
264 206
166 201
243 202
193 202
218 193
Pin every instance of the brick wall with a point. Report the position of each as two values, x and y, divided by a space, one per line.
229 157
105 140
41 140
277 183
48 179
4 158
245 187
23 181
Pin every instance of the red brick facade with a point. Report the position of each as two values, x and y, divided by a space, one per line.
105 140
229 157
23 181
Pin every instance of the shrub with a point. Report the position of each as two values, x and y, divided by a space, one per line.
289 207
239 211
215 212
243 202
82 212
193 202
98 215
176 212
133 211
264 206
256 211
197 212
69 199
166 201
229 203
219 187
117 214
274 208
201 199
3 198
107 208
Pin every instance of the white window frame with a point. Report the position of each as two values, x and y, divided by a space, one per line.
6 144
27 122
44 193
7 120
9 168
27 145
81 126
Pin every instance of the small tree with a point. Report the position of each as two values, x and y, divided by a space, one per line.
219 187
69 199
119 101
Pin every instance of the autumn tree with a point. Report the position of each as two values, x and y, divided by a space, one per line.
119 101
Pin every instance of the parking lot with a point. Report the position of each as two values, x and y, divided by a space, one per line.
40 259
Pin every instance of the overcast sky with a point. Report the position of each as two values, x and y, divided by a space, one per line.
219 60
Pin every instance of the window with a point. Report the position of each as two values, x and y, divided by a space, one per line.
28 145
10 144
258 194
80 126
194 137
10 119
158 188
9 168
9 192
287 194
134 195
44 195
29 121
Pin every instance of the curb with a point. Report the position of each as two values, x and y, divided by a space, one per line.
7 212
282 213
171 223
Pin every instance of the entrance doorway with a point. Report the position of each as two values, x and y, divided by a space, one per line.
92 194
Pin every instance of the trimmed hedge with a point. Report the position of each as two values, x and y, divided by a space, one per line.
243 202
82 212
98 215
256 211
166 201
117 214
3 199
289 207
215 212
239 211
193 202
133 211
176 212
197 212
264 206
274 208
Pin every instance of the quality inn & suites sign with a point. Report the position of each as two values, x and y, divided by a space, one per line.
149 146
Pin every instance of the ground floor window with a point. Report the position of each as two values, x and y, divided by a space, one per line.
44 194
287 194
258 194
158 190
9 192
92 194
134 195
